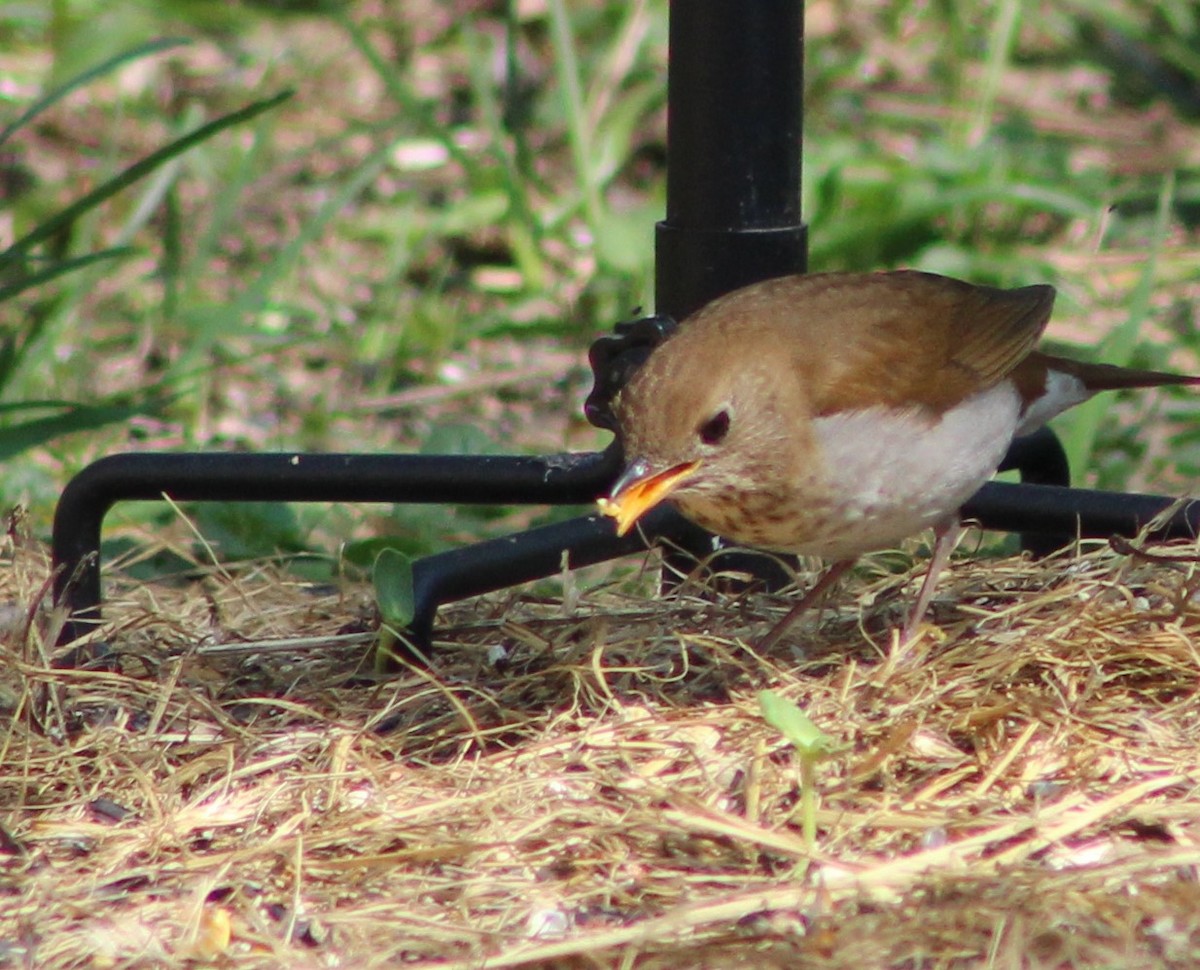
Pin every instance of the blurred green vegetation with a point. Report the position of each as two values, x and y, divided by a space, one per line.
449 178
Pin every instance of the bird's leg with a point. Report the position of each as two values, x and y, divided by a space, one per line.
819 589
946 534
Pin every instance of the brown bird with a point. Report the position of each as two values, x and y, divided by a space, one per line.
834 414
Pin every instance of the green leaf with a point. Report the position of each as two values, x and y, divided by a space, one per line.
476 211
625 240
240 531
794 725
458 438
392 577
362 553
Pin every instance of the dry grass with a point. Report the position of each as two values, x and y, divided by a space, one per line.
1017 788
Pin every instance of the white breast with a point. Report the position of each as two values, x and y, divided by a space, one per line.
890 474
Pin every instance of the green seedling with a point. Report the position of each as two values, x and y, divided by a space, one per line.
392 577
812 747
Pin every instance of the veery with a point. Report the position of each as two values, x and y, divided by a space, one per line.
834 414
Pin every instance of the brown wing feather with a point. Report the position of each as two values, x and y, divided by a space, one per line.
1001 328
839 341
905 338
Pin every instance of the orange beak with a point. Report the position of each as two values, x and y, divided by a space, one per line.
638 490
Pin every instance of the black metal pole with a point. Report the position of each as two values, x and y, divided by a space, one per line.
734 128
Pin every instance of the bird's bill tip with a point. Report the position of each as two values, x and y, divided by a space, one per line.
638 490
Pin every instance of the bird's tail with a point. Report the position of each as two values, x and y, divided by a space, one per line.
1109 377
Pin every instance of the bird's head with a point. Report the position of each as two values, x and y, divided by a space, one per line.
699 424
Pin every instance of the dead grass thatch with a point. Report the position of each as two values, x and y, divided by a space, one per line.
593 784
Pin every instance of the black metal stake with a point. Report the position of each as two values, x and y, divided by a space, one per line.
1046 511
291 477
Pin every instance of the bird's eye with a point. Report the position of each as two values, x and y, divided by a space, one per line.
714 430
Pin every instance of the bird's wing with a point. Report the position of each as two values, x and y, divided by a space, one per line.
913 339
998 329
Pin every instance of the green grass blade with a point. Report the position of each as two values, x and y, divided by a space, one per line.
72 418
1002 38
80 80
228 205
61 268
523 225
421 112
1080 427
287 257
567 66
212 323
137 170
